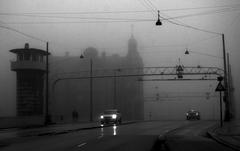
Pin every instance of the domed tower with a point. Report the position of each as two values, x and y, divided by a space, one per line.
30 67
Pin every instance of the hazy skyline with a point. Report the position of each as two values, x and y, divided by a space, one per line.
74 25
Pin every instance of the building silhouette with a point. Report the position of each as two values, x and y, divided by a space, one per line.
123 93
30 69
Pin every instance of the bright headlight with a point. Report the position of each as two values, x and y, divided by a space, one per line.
114 116
101 116
197 114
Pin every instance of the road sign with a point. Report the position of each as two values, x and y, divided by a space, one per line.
220 87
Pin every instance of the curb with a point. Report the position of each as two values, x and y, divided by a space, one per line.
215 137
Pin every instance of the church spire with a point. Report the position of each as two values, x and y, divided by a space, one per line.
134 59
132 44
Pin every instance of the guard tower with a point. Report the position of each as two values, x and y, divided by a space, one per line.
30 67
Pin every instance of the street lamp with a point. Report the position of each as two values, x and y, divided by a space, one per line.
158 23
186 52
91 89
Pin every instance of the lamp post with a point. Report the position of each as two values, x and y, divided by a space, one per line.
91 89
47 116
115 90
226 95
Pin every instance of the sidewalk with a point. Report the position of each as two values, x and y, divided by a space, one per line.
15 133
228 135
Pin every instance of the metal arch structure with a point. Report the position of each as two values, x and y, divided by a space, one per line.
209 73
165 71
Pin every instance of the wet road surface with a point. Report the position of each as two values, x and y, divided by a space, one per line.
178 135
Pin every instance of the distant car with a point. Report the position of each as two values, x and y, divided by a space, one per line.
112 116
193 115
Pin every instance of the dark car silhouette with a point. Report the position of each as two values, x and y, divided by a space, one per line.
112 116
193 115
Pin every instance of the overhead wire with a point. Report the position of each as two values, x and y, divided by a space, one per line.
205 13
77 13
147 4
154 8
206 7
81 22
22 33
151 4
175 22
130 11
114 19
191 27
70 17
205 54
188 26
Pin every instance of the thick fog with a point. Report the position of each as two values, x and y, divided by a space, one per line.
73 25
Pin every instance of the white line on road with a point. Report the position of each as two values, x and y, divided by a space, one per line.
80 145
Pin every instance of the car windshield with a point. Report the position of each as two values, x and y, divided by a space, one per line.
110 112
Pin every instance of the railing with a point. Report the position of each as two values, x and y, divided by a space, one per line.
20 65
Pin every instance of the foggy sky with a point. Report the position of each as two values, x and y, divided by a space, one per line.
159 46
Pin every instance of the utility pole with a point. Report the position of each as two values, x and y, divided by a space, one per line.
115 90
91 93
47 116
231 90
226 95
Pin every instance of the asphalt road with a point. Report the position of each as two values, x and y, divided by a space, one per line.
144 136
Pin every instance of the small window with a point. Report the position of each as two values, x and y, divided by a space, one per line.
41 58
34 57
27 56
20 57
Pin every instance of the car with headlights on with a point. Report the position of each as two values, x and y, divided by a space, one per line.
112 116
193 115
